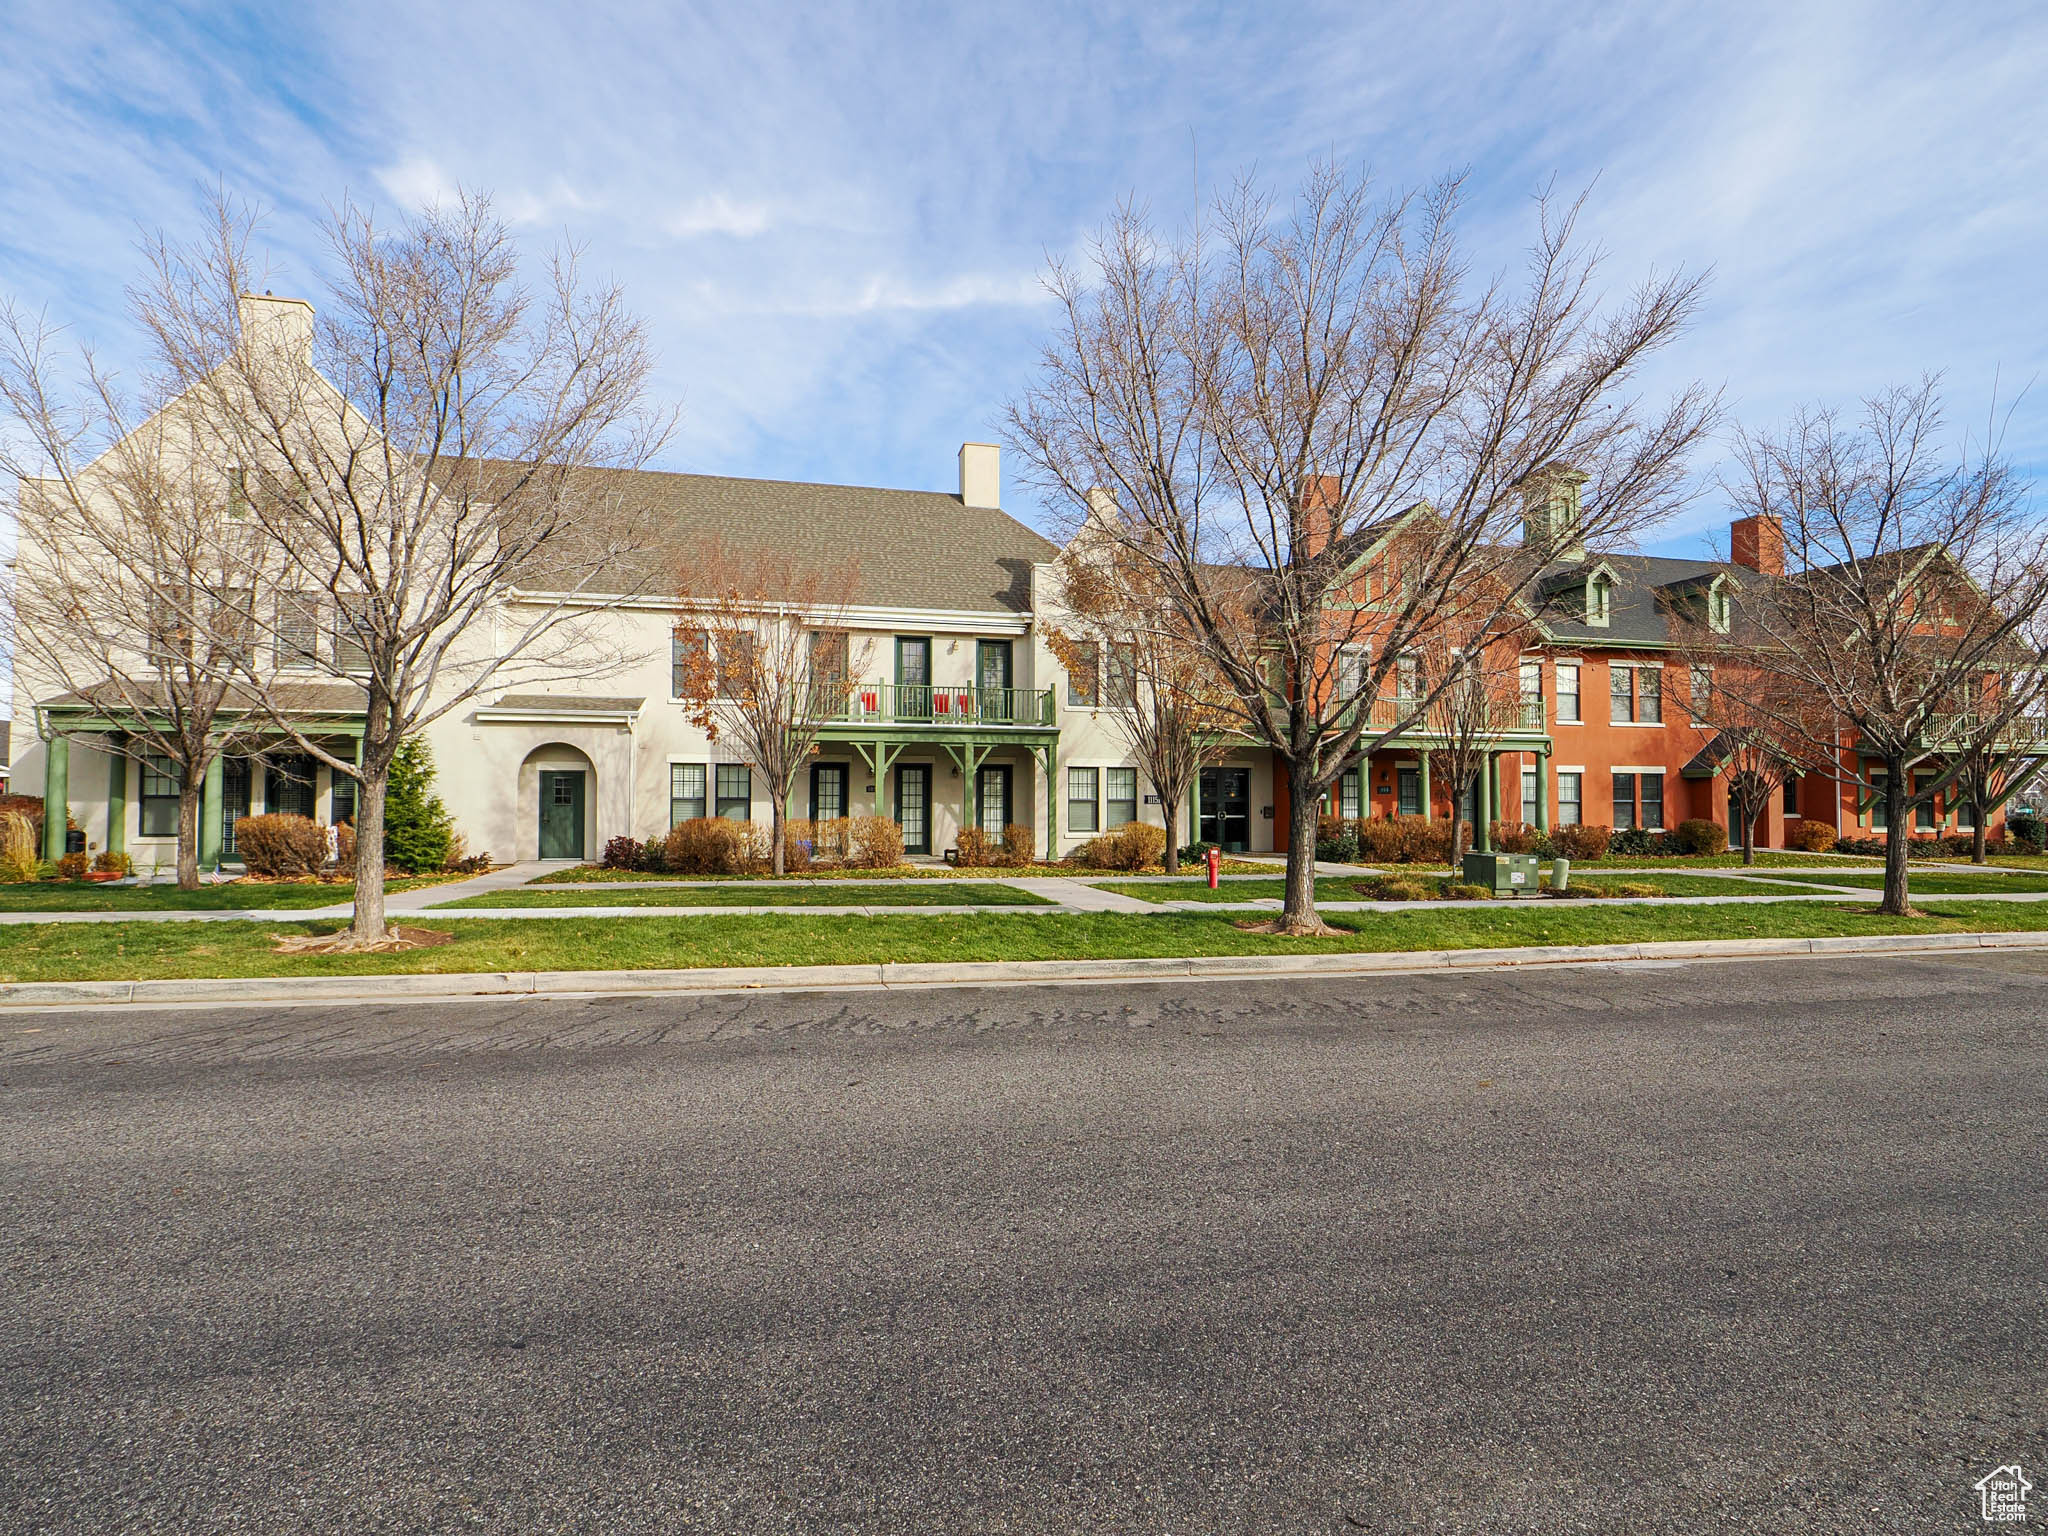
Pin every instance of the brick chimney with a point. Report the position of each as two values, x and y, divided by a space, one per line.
981 475
1319 498
1758 543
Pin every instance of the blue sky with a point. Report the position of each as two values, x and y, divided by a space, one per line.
835 217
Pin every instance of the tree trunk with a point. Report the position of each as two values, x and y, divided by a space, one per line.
1895 834
1298 911
1170 808
1978 815
777 862
367 926
189 791
1748 833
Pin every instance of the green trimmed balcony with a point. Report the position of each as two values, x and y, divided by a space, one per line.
1524 718
957 706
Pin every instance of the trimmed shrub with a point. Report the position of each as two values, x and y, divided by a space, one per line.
1134 845
1810 836
1515 837
1395 888
1702 838
703 845
977 850
1196 853
2028 829
111 863
1581 842
798 844
1454 890
622 852
417 829
73 866
1402 840
274 846
874 842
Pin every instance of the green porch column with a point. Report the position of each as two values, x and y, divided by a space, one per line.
1428 814
1489 775
1542 791
117 798
1050 757
56 795
209 813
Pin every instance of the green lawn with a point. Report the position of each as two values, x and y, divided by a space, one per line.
100 951
68 896
1938 883
840 893
591 874
1766 858
1354 888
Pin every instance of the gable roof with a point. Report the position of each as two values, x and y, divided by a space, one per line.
911 549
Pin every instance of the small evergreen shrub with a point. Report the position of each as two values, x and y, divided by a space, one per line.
1336 840
1702 838
622 852
281 847
1195 853
417 829
2028 829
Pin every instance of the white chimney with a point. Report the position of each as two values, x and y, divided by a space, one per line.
981 475
281 327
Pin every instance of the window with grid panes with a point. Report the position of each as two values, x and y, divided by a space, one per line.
1120 796
685 792
1082 788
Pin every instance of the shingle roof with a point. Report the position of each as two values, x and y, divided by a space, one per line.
1636 614
911 549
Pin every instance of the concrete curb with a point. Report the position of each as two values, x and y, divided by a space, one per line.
807 978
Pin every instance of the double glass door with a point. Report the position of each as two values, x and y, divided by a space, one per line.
1227 808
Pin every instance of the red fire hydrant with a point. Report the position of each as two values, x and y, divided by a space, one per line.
1215 866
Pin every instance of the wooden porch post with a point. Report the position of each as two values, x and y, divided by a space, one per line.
1428 813
1542 791
1483 807
209 813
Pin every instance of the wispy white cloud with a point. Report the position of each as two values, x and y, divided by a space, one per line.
836 227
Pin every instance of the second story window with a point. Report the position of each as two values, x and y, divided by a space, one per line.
1407 677
1568 691
1084 676
687 654
351 630
1637 694
296 628
1531 689
1123 674
1700 683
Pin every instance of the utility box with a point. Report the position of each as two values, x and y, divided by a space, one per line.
1504 874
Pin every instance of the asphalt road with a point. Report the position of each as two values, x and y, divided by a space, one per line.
1754 1247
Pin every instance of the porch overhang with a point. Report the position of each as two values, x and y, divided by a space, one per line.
543 709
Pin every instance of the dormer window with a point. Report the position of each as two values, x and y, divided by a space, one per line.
1717 607
1599 599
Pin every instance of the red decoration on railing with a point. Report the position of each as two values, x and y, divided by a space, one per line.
944 701
870 702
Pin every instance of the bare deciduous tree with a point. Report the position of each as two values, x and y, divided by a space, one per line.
1916 581
767 661
132 595
1474 685
427 462
1763 732
1318 432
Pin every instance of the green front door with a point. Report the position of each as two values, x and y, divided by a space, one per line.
561 813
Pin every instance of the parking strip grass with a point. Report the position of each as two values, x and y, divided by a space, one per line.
839 893
237 895
110 951
1361 888
1941 883
592 874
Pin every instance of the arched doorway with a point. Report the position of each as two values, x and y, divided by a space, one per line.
558 796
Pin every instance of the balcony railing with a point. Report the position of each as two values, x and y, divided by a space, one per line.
1389 710
958 704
